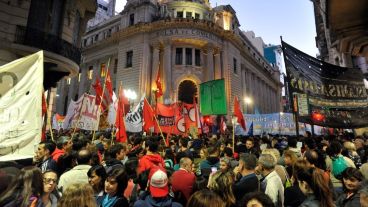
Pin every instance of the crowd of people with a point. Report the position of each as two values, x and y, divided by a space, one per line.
78 170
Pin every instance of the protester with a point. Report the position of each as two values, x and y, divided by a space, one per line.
289 159
352 153
77 174
257 199
205 198
63 145
115 157
96 178
222 184
152 158
43 157
182 181
352 183
115 185
77 195
225 165
50 195
25 190
212 161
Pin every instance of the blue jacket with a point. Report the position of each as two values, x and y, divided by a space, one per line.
148 201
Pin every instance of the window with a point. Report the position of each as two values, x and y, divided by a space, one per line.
129 59
179 14
103 70
189 14
188 56
68 81
235 66
179 56
96 37
116 66
196 16
90 72
197 57
131 19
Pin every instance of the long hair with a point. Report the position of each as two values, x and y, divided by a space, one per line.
121 178
28 183
100 172
221 183
77 195
205 198
315 180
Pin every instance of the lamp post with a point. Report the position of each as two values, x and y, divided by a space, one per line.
131 95
247 101
233 121
280 114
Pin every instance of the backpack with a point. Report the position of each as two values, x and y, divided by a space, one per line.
338 166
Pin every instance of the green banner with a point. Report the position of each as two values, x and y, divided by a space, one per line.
213 97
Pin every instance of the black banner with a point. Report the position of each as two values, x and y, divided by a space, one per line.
336 96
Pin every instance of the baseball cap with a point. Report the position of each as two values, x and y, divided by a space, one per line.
158 182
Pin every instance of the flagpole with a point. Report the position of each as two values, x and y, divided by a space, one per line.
234 120
102 96
158 125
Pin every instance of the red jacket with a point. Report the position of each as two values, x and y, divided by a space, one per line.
183 181
57 153
147 161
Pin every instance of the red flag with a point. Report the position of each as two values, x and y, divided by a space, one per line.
238 113
108 86
159 92
121 135
98 90
148 116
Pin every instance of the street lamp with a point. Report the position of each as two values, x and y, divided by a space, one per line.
247 101
130 94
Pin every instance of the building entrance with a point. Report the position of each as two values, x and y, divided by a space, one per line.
187 91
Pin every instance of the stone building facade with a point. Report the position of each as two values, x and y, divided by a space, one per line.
187 43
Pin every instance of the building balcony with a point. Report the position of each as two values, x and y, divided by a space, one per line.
48 42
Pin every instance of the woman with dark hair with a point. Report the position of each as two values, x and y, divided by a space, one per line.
313 185
96 178
258 199
115 185
352 181
25 190
222 184
205 198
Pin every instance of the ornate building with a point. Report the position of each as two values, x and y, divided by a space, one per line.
56 27
342 32
187 43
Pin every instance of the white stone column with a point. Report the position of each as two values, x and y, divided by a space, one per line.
155 64
167 70
210 68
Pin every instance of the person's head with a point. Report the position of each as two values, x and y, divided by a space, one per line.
45 149
64 143
352 179
289 157
249 144
292 142
50 179
186 163
225 164
311 181
28 182
118 151
203 153
247 162
350 146
131 167
77 195
158 182
359 143
152 146
228 152
205 198
116 182
300 165
257 199
221 183
213 151
183 142
311 157
96 177
266 164
335 148
84 157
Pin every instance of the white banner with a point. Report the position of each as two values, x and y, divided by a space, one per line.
133 119
21 84
83 114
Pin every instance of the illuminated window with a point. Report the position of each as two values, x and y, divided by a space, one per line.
79 76
103 70
68 80
90 72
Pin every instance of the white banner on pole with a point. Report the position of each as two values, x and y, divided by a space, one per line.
21 84
133 119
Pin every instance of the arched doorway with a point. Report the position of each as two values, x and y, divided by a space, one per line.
187 91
